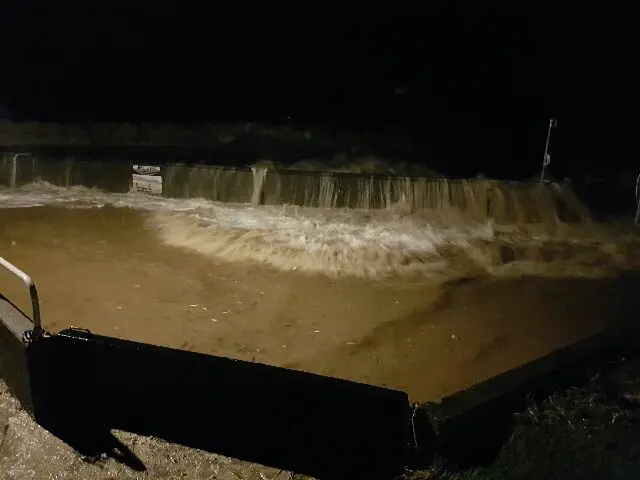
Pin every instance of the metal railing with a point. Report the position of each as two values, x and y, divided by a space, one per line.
33 292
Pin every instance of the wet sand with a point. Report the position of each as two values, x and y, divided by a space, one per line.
105 270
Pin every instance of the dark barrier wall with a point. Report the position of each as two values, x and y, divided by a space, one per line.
84 385
14 360
112 176
471 426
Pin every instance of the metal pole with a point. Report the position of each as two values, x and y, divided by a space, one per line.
637 219
546 160
14 172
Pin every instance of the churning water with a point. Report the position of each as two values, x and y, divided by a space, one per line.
362 243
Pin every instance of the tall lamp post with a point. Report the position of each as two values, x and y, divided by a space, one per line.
553 123
637 220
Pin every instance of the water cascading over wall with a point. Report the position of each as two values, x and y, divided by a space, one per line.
17 170
505 202
24 169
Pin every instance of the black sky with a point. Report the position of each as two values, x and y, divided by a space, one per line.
481 78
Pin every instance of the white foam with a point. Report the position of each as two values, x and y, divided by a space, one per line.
44 194
334 241
337 242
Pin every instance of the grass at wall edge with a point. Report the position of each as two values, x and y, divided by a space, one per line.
582 433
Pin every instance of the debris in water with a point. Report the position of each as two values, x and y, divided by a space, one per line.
454 337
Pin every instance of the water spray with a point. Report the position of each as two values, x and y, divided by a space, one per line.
553 123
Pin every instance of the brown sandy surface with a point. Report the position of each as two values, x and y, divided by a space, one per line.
104 270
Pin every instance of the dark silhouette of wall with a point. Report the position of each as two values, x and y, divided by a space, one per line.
80 386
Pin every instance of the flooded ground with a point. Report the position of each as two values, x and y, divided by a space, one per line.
393 300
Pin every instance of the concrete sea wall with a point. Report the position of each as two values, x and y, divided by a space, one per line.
505 202
17 170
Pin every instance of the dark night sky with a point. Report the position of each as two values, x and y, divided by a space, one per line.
482 80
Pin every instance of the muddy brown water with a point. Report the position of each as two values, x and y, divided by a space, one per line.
105 270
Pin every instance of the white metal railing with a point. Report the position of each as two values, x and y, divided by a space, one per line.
33 292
